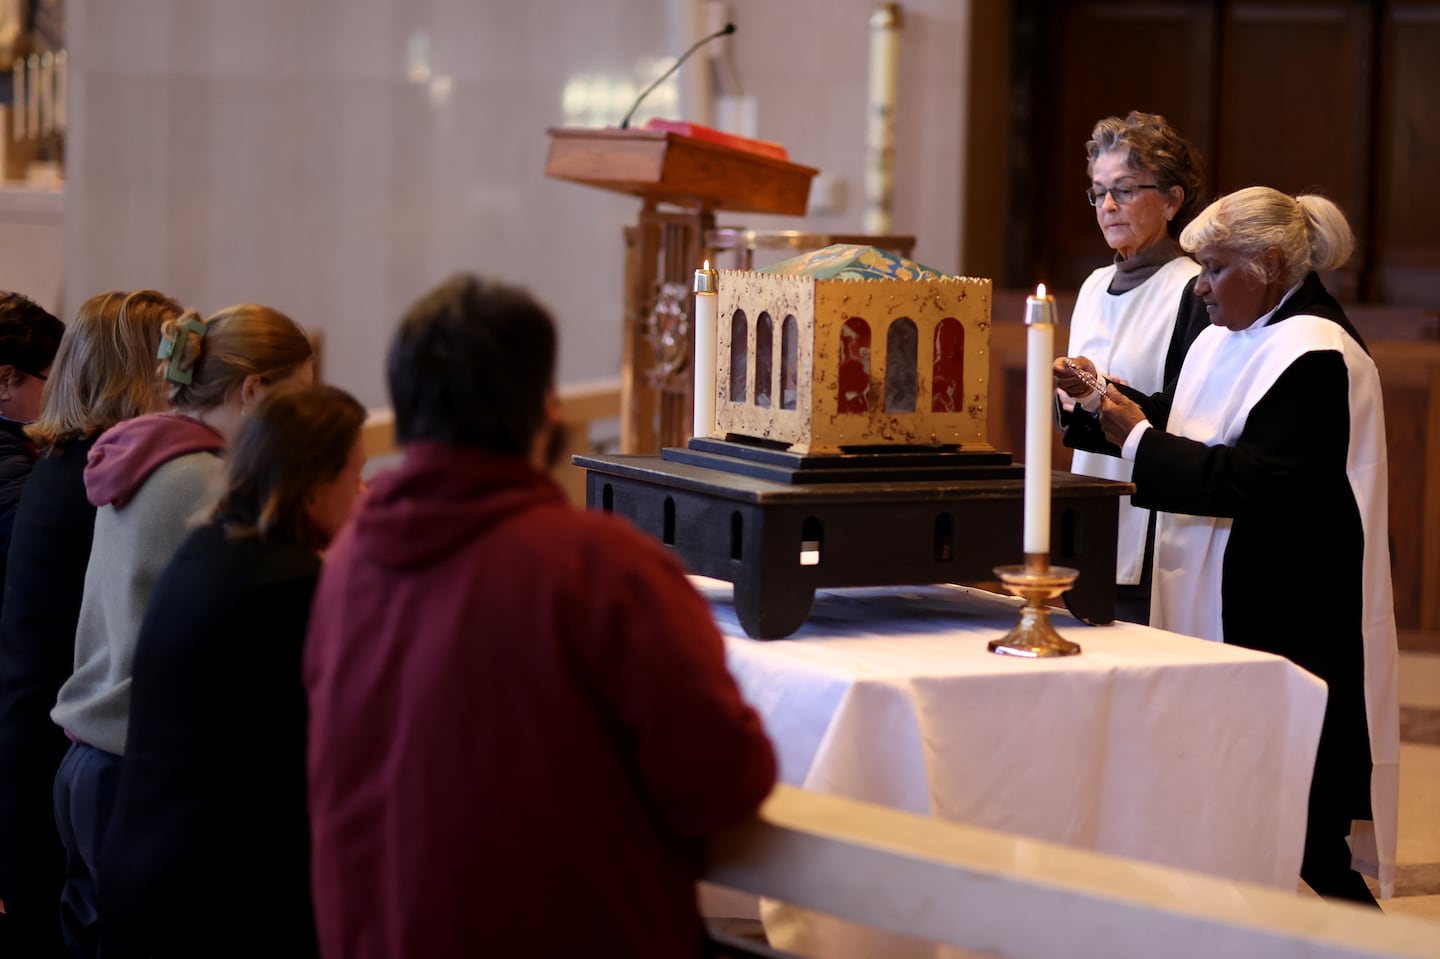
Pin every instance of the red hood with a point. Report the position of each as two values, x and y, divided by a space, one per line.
441 497
125 455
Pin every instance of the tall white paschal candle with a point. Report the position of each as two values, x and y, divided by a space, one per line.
707 305
62 88
881 96
1039 397
32 93
18 86
47 93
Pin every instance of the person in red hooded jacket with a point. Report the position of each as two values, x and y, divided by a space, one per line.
521 721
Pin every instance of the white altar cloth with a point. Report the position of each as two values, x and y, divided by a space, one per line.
1147 745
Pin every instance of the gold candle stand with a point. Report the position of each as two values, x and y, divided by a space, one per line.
1035 582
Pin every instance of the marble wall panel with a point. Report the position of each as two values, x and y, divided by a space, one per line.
334 158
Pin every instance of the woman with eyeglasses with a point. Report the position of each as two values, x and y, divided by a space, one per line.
29 337
1136 317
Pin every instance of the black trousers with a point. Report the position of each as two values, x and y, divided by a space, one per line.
1326 867
1339 793
30 928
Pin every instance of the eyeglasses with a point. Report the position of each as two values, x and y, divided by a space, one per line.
1121 194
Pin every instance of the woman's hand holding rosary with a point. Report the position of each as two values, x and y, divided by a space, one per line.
1118 413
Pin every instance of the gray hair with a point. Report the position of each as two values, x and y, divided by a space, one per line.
1310 232
1149 143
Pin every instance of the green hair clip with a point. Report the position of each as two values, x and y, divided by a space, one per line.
167 351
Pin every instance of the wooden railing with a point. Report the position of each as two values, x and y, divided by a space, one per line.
1410 382
585 408
1024 899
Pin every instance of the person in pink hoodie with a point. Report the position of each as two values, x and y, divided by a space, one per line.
521 722
150 478
214 767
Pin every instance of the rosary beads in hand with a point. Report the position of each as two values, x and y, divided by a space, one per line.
1088 378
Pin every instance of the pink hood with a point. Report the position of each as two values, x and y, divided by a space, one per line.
126 454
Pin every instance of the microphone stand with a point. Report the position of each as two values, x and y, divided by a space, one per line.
728 29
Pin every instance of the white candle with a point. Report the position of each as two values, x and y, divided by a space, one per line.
47 93
32 91
18 121
62 88
881 95
1039 392
707 305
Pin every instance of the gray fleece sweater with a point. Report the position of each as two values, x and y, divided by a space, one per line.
133 543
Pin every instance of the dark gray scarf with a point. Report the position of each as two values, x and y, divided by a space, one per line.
1143 265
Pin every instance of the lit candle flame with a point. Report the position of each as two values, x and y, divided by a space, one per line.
707 265
1040 291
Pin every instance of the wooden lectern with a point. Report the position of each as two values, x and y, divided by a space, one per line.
697 177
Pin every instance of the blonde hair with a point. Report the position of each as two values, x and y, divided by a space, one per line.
1310 232
104 370
216 355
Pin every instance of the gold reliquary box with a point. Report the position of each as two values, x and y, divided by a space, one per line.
852 348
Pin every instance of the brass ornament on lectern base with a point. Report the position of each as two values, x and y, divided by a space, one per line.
1035 582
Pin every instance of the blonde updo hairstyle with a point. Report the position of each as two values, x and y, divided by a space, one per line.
239 341
1310 232
104 370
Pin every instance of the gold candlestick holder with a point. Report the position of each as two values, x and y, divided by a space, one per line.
1035 582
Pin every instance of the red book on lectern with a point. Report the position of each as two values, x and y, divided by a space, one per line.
711 135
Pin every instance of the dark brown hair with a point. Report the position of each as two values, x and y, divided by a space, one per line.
298 437
1150 143
471 365
29 334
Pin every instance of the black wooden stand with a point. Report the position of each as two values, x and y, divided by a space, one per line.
779 526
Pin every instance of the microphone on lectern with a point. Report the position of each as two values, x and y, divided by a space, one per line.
729 29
